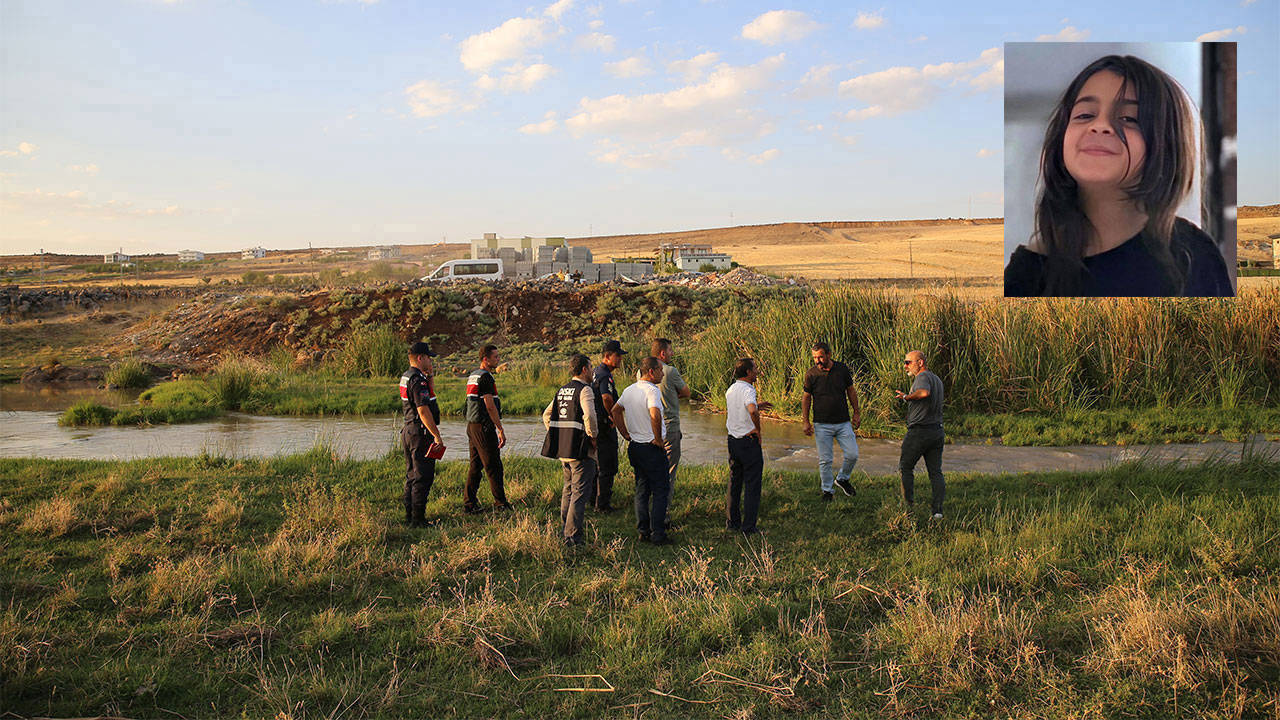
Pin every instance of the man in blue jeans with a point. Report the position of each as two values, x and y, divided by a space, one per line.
828 389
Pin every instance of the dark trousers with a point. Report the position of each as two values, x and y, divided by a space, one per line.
746 466
927 443
419 473
601 493
579 477
483 439
652 484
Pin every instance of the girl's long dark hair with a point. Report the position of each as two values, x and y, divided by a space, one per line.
1165 121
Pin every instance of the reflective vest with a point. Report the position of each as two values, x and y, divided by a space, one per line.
411 382
477 412
567 435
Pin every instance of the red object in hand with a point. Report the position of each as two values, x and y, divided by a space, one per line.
436 451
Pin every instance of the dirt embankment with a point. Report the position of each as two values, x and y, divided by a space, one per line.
1258 211
16 302
200 331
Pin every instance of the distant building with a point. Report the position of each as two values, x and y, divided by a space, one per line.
1275 250
115 257
186 256
252 253
383 252
688 257
526 248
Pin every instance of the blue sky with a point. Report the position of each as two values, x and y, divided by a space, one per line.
157 125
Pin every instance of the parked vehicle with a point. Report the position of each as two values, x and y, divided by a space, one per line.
488 269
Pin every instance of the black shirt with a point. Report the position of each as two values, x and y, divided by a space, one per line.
1129 270
829 389
480 383
602 383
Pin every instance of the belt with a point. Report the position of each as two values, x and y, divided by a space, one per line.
925 426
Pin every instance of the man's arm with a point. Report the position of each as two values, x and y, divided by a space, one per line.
805 401
619 421
424 414
655 422
854 412
682 388
588 403
492 407
546 414
920 394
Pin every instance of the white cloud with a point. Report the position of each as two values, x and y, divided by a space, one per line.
898 90
517 78
695 67
764 157
986 153
1247 3
869 20
613 154
595 24
1066 34
632 67
816 82
77 201
428 98
598 42
24 148
693 106
548 125
509 41
557 8
778 26
920 39
90 169
1217 35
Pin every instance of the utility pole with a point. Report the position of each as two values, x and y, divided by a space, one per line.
911 260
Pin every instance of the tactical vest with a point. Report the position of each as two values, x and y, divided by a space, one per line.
567 436
477 412
411 418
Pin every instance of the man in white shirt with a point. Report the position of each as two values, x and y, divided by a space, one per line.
638 417
572 429
746 460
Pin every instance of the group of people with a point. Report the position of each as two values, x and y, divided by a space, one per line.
587 415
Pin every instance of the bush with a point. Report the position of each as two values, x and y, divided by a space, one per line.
373 351
234 380
87 413
128 373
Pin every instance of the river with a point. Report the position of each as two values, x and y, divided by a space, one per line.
29 428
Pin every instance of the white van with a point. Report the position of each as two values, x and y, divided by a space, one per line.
487 269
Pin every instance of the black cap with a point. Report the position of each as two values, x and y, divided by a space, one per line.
613 346
421 348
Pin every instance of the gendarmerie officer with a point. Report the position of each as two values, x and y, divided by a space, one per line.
572 426
420 432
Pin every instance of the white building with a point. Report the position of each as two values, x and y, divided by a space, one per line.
252 253
525 247
383 252
186 256
695 257
115 257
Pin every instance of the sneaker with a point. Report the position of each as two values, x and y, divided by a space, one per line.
732 528
937 516
664 540
644 537
847 487
504 506
605 509
472 509
827 496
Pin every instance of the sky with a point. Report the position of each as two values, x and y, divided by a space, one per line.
160 125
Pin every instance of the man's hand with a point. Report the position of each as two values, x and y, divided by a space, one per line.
764 405
899 394
502 437
659 443
808 428
856 421
437 439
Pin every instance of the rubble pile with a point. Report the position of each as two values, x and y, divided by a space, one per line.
16 301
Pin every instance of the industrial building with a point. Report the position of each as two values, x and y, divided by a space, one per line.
530 257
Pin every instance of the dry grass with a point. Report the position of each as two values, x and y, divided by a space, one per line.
55 517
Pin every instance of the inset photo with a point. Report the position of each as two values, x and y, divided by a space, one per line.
1120 170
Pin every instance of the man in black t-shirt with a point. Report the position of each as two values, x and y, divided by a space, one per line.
484 432
828 389
420 432
606 394
925 436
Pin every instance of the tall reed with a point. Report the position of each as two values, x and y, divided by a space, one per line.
1011 355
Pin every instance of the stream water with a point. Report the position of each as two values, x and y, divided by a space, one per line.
29 428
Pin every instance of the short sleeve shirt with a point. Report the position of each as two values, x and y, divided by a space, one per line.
926 411
671 385
417 389
479 384
602 384
736 399
829 389
636 401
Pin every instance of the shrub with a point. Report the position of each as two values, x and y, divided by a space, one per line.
373 351
128 373
233 381
87 413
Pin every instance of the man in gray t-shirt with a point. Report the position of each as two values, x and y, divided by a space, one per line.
925 436
673 389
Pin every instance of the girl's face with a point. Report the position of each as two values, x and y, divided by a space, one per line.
1092 152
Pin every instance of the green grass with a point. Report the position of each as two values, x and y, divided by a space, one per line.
127 373
287 588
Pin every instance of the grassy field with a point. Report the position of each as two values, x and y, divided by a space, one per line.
287 588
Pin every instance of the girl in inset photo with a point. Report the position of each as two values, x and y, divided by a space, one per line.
1119 156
